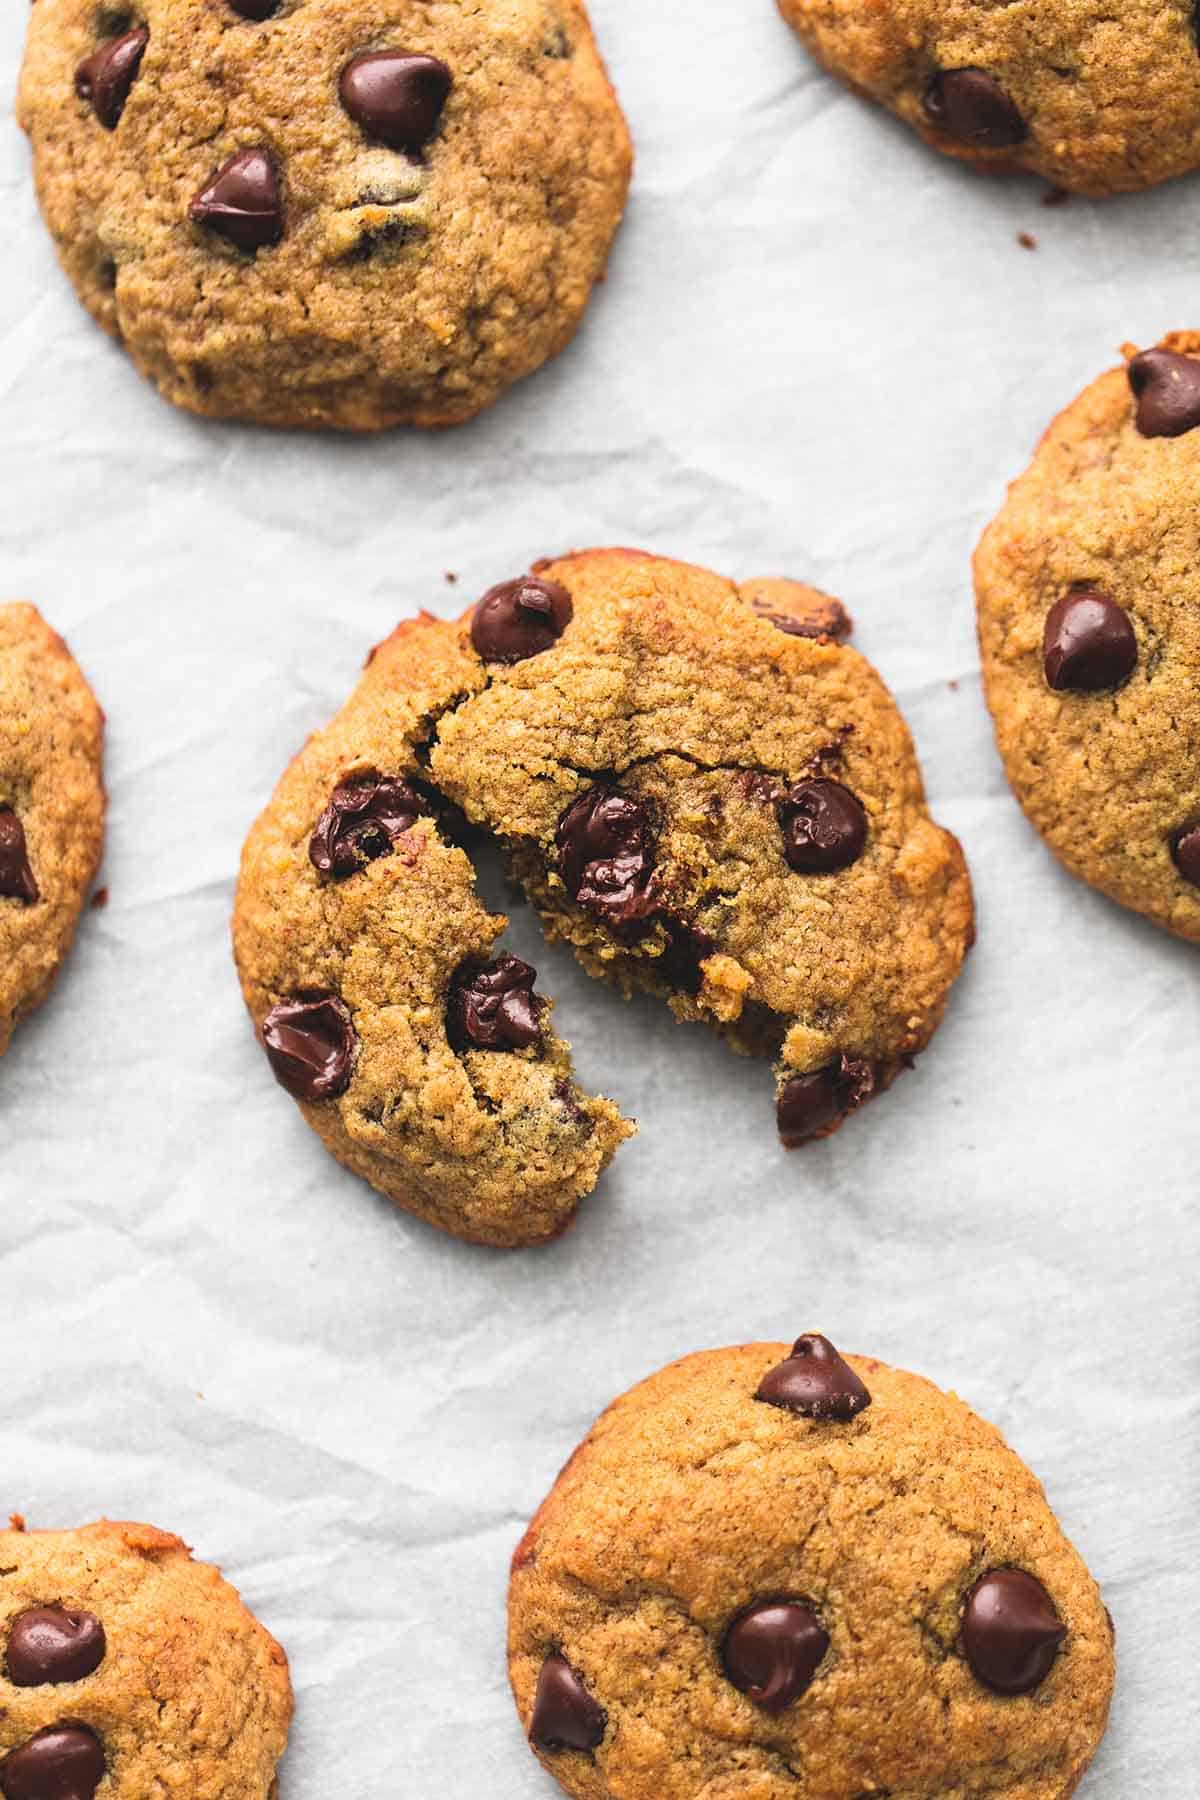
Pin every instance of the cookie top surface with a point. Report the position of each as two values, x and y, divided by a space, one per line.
1095 99
51 807
328 213
772 1603
129 1669
1090 634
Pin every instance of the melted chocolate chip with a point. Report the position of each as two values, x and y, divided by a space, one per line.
396 98
1185 851
565 1717
63 1762
772 1650
492 1006
1010 1631
1166 387
257 11
1089 645
106 77
815 1382
17 880
809 1105
971 104
824 827
366 815
833 626
241 202
310 1043
520 619
51 1644
606 859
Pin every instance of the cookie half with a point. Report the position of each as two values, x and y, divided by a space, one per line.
51 807
784 1574
328 213
130 1669
1089 625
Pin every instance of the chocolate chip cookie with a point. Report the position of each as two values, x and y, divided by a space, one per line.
332 213
783 1574
702 789
51 807
130 1670
1095 98
1089 623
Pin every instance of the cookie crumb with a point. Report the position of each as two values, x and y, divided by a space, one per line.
452 577
1027 240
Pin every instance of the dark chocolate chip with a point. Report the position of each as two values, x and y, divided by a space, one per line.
241 202
520 618
16 877
366 814
54 1644
815 1382
772 1650
832 626
970 104
396 98
606 859
492 1006
106 77
809 1105
565 1717
1185 851
688 947
1166 387
1089 643
1010 1631
257 11
63 1762
310 1042
824 827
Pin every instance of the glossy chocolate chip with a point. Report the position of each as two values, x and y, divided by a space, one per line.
565 1717
16 877
520 619
1185 851
50 1644
832 626
255 10
241 202
366 814
1089 644
810 1104
106 77
1166 387
310 1043
605 857
63 1762
971 104
1010 1631
772 1650
396 98
824 827
492 1006
815 1382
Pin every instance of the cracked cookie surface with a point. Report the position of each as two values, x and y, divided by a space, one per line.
51 807
1094 98
130 1669
726 1598
318 212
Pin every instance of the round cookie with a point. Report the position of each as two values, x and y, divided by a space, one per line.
700 788
1095 99
51 807
128 1669
1089 625
330 213
773 1574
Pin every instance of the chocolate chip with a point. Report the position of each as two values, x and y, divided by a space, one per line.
772 1650
970 104
688 948
1089 643
1166 387
310 1044
606 859
833 626
1185 851
53 1644
565 1717
106 77
492 1006
255 10
63 1762
520 618
241 202
395 97
1010 1631
815 1382
366 815
824 827
16 877
809 1105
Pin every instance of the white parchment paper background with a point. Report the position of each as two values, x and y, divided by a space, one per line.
821 352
